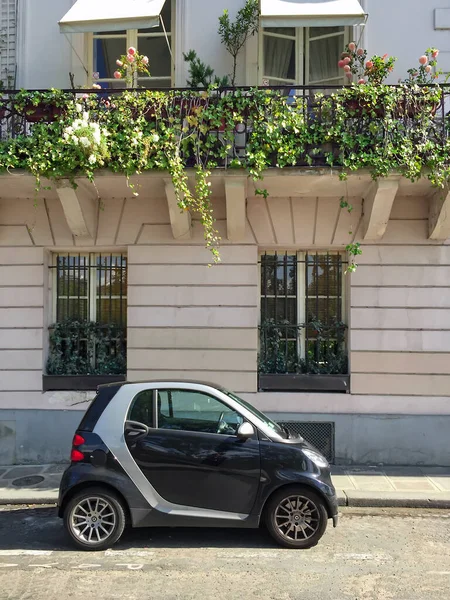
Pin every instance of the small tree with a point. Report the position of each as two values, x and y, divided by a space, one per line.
235 34
201 74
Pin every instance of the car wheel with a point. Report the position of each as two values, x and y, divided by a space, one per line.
94 519
296 517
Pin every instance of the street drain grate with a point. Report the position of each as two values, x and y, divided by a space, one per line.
27 481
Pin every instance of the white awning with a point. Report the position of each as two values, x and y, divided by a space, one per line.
311 13
111 15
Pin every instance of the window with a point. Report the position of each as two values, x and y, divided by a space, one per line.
142 408
194 411
302 55
88 335
302 327
105 48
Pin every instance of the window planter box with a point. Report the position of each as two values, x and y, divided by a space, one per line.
304 383
82 383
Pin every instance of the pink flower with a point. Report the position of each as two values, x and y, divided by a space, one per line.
352 46
360 52
361 81
428 69
145 60
117 75
349 75
385 56
85 96
131 50
423 60
435 53
369 64
119 63
341 64
347 60
130 58
347 68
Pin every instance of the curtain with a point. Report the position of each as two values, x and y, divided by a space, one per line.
277 57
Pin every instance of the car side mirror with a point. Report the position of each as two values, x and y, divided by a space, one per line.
245 431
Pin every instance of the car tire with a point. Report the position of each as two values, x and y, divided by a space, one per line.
104 518
296 517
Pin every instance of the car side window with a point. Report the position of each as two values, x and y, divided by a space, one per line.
187 410
142 408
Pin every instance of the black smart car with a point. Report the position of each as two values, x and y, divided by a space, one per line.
179 453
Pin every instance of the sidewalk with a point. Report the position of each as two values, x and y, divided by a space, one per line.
410 487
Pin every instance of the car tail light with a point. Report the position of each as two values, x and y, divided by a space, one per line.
76 455
78 440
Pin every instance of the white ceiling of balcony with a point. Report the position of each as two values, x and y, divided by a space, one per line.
111 15
311 13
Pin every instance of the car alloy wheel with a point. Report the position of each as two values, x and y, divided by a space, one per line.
95 519
296 517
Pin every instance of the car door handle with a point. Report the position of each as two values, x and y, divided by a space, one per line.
135 431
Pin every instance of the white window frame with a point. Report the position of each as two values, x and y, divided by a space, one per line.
301 289
92 286
302 41
131 39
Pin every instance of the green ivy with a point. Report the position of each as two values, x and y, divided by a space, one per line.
380 128
79 347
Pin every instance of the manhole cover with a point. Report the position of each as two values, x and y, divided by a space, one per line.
26 481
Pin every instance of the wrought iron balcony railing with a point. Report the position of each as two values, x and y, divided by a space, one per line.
367 122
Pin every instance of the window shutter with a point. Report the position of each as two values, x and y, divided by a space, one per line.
8 22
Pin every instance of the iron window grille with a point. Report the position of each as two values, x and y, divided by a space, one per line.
90 311
302 325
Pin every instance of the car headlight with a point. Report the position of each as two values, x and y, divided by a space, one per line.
319 460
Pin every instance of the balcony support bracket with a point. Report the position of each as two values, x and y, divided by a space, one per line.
439 215
79 209
180 220
236 197
378 206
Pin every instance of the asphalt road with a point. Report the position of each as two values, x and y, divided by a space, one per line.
378 554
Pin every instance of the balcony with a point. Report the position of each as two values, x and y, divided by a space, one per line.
189 140
245 127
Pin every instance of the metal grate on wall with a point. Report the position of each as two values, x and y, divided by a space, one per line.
318 434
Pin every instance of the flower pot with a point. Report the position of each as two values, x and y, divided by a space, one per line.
357 107
407 109
42 112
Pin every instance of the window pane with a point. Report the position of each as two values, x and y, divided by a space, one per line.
106 52
278 273
279 310
72 308
281 30
318 31
158 53
322 58
324 275
324 310
279 57
193 411
142 408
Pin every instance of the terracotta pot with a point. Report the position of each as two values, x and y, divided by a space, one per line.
42 112
361 108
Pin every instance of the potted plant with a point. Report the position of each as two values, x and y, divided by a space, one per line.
419 78
40 106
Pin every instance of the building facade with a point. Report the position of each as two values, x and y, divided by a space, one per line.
360 360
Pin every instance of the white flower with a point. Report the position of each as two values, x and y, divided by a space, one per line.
105 132
84 141
97 136
155 137
85 116
75 140
92 159
66 136
76 124
95 126
78 107
69 130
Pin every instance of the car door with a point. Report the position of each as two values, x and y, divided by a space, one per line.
194 457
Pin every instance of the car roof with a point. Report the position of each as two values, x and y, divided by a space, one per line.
165 381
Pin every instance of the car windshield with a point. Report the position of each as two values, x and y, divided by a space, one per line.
262 417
